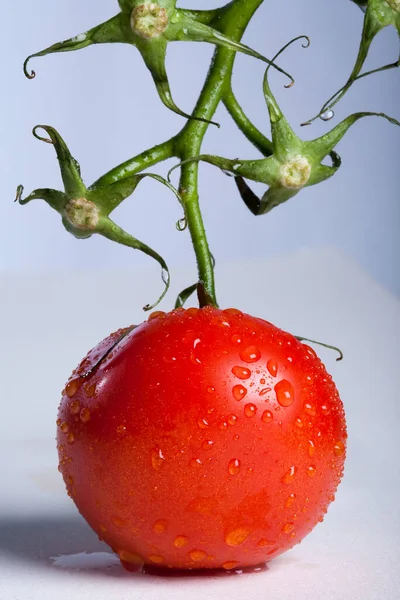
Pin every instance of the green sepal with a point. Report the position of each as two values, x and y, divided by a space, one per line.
54 198
273 197
184 296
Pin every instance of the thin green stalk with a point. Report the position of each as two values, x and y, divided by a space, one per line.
232 20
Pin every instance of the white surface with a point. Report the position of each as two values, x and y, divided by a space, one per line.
104 103
47 552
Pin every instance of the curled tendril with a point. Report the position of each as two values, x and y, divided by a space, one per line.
39 137
29 75
329 346
285 47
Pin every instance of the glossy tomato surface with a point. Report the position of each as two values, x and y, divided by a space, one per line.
202 439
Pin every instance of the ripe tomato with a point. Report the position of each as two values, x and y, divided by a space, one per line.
202 439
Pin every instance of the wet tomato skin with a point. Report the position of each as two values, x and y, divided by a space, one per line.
203 439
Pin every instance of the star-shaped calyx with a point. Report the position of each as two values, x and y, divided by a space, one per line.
378 15
293 165
86 210
150 26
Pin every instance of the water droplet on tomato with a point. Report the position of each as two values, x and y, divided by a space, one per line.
157 458
241 372
311 471
289 475
192 311
311 448
265 391
160 526
70 438
230 564
339 448
236 339
121 429
196 463
64 427
234 466
272 367
250 354
210 389
267 416
158 314
310 409
290 501
232 311
130 557
264 542
250 410
331 497
299 423
208 444
288 527
156 558
197 555
235 438
325 410
237 537
58 422
180 541
74 407
232 419
220 322
85 415
239 392
203 423
73 386
90 390
284 393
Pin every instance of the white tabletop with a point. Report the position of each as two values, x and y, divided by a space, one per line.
47 552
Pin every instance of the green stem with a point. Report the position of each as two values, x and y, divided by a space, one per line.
232 21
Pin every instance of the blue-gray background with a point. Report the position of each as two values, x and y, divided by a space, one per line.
103 102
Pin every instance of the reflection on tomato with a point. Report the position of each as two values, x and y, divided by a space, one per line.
202 439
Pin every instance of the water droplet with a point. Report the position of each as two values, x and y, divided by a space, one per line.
237 537
210 389
239 392
121 429
208 444
64 427
310 409
232 311
58 422
272 367
311 448
234 466
331 497
192 312
130 557
327 115
90 390
288 527
74 407
265 391
299 423
311 471
203 423
267 416
232 419
289 475
220 322
250 354
339 448
85 415
250 410
197 555
284 393
180 541
196 463
118 522
264 542
235 438
230 564
70 438
290 501
223 425
157 459
160 526
241 372
236 339
156 558
158 314
262 381
72 387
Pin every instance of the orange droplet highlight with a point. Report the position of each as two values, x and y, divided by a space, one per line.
284 393
290 501
156 558
131 557
158 314
210 389
74 407
208 444
121 429
196 463
239 392
264 542
311 471
90 390
288 528
311 448
203 423
85 415
223 426
241 372
272 367
289 475
64 427
310 351
180 541
236 339
220 322
232 420
299 423
237 537
232 311
72 387
160 526
250 354
250 410
265 391
197 555
234 466
267 416
230 564
157 458
310 409
58 422
70 438
339 448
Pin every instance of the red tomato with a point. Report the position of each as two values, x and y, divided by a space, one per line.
203 439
